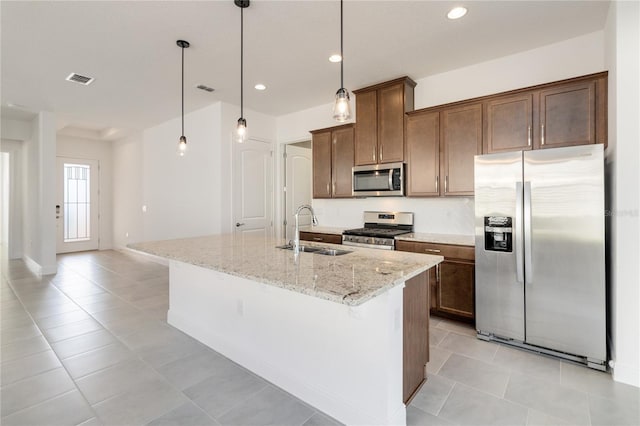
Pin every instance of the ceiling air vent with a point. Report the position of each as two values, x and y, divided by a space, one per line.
205 88
77 78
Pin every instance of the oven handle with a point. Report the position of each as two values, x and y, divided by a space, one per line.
390 178
371 246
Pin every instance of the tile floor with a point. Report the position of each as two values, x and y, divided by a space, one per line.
91 346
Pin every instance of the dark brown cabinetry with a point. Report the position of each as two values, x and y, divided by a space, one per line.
441 144
320 237
415 334
379 129
461 140
509 123
565 113
452 282
332 161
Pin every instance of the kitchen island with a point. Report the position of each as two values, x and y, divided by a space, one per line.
328 329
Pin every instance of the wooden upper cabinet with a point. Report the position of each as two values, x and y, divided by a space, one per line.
460 141
391 124
379 132
332 161
366 134
509 123
321 153
423 154
568 115
342 161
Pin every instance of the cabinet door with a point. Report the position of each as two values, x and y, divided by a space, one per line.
568 115
461 140
509 123
456 288
391 124
342 154
423 154
366 138
415 333
321 164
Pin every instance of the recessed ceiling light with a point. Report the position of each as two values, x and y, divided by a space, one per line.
335 58
260 86
457 12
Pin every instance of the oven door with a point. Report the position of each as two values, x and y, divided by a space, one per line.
379 180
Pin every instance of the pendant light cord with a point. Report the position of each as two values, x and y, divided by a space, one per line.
341 53
182 91
241 62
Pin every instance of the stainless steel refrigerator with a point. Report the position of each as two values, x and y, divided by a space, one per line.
540 253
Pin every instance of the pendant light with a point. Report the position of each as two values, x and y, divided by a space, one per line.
241 128
182 144
342 109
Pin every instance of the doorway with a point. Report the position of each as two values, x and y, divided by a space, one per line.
253 188
297 185
77 206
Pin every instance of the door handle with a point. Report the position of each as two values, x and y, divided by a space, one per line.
238 224
432 250
517 235
528 264
542 134
529 136
381 153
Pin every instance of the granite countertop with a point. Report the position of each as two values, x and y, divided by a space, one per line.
458 240
350 279
323 229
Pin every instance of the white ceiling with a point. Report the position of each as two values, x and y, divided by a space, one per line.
129 47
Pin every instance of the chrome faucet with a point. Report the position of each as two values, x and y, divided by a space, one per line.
296 240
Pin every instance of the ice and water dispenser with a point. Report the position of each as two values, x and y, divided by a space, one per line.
498 233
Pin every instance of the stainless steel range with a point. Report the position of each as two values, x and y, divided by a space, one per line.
379 230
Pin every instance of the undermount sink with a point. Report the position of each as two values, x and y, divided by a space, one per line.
319 250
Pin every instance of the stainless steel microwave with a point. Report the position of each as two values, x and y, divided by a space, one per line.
378 180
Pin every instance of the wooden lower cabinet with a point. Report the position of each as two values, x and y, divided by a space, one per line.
452 283
320 238
415 334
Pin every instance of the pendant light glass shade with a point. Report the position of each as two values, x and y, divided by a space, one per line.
241 130
182 141
241 127
342 107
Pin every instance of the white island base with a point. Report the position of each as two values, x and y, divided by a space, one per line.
343 360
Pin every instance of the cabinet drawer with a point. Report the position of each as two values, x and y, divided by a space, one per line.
321 238
447 250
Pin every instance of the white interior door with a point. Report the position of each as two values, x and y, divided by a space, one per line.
253 188
298 185
77 216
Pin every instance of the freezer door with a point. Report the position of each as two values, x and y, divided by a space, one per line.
564 250
499 270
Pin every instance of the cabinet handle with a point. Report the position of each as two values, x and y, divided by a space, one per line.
432 250
333 186
438 273
317 239
529 135
373 154
381 153
542 135
328 192
446 183
437 182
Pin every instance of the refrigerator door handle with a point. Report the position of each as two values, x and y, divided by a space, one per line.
528 264
518 235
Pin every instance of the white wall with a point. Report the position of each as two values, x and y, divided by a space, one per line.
623 156
182 194
127 191
14 234
569 58
39 199
87 149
